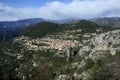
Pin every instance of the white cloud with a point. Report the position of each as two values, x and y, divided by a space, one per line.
60 10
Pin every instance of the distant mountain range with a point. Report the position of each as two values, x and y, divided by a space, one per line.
11 29
15 25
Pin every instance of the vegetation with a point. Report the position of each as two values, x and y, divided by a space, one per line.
33 65
105 69
89 64
7 35
41 29
45 28
18 63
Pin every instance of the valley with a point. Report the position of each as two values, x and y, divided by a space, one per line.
77 50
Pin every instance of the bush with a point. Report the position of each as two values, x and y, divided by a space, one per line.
89 64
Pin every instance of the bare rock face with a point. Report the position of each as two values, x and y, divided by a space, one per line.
100 46
63 77
102 43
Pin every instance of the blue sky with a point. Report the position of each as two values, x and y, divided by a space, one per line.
11 10
28 3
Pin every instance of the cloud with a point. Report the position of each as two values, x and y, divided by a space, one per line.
64 10
81 9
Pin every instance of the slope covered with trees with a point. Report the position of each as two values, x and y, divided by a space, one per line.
44 28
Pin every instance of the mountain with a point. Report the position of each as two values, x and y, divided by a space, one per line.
11 29
79 50
45 28
108 21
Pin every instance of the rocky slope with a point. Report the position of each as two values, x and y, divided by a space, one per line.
108 21
80 50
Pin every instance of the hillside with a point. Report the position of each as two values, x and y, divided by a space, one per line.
12 29
80 50
108 21
45 28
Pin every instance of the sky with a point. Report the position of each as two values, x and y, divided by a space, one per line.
12 10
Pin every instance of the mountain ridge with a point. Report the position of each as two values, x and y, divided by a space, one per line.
12 29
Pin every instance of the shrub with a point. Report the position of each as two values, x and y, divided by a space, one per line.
89 64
